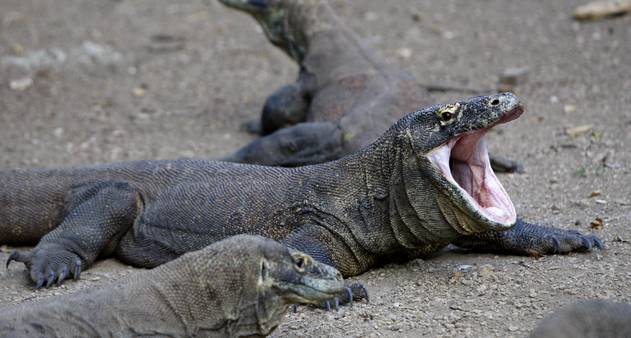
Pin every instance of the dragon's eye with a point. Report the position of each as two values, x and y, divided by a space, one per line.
300 263
448 114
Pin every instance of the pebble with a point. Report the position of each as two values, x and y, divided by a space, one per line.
511 77
21 84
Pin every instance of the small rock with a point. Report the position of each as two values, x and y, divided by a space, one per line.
513 328
602 202
139 91
595 193
569 108
597 223
404 53
601 9
464 268
58 132
577 131
21 84
370 16
511 77
554 99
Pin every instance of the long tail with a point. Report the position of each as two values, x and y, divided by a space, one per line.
32 203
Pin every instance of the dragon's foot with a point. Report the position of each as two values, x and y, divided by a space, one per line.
49 264
354 292
531 239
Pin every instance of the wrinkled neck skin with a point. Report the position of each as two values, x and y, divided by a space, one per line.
398 189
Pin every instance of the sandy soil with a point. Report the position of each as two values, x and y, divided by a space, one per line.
96 81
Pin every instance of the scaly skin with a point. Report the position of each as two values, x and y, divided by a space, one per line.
346 95
241 286
386 201
587 319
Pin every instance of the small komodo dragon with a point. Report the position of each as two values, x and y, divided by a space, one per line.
346 95
238 287
587 319
425 183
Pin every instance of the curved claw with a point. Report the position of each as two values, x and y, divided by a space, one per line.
598 243
51 278
350 296
336 303
328 306
13 257
363 292
587 244
556 244
77 269
39 284
62 276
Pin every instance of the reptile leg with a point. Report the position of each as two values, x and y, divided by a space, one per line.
531 239
302 144
96 217
329 249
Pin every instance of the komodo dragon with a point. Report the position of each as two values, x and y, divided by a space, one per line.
423 184
587 319
241 286
346 95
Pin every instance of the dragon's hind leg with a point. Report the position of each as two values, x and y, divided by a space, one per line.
96 217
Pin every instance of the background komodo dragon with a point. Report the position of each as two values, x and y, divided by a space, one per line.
587 319
425 183
346 95
241 286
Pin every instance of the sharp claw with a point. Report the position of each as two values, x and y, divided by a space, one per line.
556 245
587 244
328 306
13 257
350 297
295 308
365 293
62 275
77 270
336 303
51 279
40 283
598 243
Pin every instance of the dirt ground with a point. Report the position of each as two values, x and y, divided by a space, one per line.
97 81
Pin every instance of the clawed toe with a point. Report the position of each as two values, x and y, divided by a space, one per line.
49 266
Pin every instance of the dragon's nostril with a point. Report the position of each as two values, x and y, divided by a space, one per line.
495 102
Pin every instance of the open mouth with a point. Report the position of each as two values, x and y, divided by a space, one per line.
464 162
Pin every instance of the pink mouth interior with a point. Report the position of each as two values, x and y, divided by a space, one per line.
465 163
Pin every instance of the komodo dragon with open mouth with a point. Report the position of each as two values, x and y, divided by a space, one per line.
238 287
346 95
425 183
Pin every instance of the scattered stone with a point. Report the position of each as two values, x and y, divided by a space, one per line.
602 202
404 53
511 77
165 43
598 10
597 223
569 108
140 91
577 131
594 193
21 84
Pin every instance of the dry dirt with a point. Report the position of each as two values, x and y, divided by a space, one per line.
96 81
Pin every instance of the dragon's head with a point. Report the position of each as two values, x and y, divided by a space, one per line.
446 144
